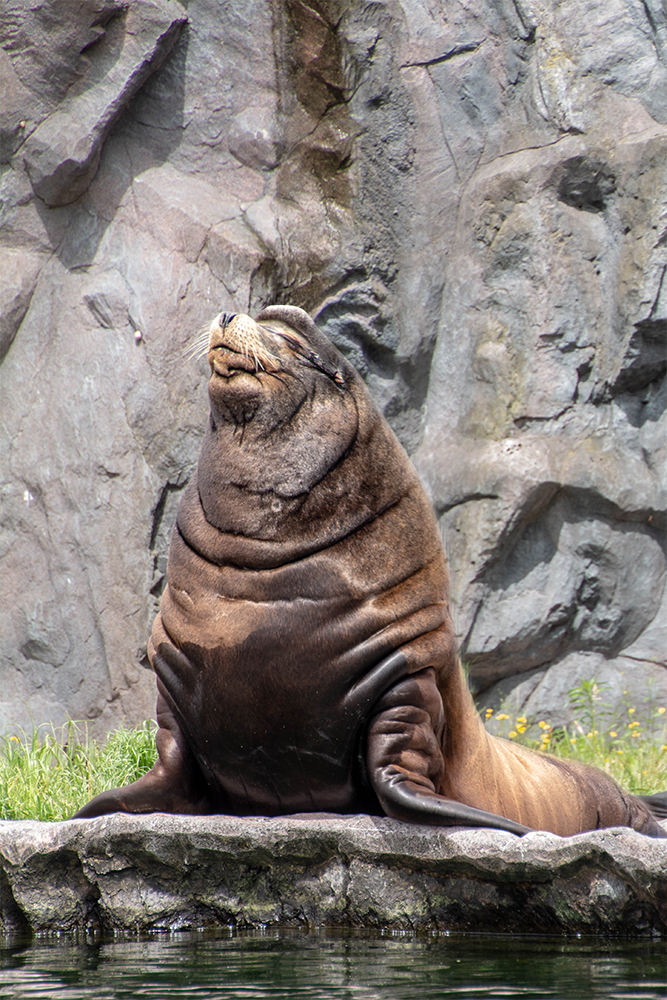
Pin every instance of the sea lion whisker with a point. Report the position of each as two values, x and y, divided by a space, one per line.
199 346
262 358
197 350
193 356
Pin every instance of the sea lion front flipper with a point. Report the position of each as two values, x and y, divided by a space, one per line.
174 784
405 762
413 802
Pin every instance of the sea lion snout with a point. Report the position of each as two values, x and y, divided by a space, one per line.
241 335
265 346
265 370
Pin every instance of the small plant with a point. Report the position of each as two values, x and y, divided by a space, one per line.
51 774
587 705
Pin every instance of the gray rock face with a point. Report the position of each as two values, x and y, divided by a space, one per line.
121 873
469 198
63 153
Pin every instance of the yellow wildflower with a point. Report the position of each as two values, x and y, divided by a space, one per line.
501 716
631 710
613 734
489 713
662 710
522 719
512 734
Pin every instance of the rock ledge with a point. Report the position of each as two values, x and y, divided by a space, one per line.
126 873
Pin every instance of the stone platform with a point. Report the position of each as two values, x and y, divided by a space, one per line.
139 874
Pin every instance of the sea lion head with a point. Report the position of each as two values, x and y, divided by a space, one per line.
264 370
285 408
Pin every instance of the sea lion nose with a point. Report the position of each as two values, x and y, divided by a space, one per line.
225 319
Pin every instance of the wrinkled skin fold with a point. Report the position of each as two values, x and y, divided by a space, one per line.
304 650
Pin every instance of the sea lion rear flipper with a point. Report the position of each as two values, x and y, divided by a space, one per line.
656 804
405 762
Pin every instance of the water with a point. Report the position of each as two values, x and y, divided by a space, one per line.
329 966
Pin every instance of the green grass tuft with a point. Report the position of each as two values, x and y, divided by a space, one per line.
49 775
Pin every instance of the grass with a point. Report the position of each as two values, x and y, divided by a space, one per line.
49 775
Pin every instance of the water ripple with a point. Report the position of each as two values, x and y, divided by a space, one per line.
335 966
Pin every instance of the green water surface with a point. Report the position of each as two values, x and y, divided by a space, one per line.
329 966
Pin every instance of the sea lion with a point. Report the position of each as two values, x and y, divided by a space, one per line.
304 649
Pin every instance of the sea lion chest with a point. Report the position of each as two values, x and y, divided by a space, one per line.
273 672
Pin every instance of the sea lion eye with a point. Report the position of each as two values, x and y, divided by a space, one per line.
302 351
291 342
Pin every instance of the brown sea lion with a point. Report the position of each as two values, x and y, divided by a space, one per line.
304 649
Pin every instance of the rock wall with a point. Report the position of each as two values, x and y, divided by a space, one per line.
471 199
